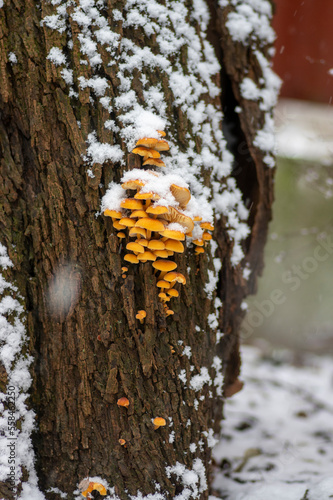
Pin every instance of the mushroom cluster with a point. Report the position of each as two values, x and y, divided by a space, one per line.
158 212
89 487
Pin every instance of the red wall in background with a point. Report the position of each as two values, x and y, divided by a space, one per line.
304 48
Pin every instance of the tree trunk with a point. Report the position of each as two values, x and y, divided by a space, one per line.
88 347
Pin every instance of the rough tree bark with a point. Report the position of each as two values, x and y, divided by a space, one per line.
48 223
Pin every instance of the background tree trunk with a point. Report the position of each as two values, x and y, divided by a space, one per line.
59 247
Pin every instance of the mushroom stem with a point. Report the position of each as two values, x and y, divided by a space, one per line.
148 234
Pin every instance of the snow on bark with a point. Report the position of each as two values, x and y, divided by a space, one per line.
17 420
173 26
249 23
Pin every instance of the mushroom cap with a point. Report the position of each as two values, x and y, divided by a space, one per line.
163 284
165 265
163 254
137 230
121 235
174 235
174 246
173 276
146 152
138 214
147 142
156 245
121 442
163 296
117 225
141 313
116 214
199 243
157 210
135 247
132 204
100 488
156 162
142 242
172 292
207 225
131 258
146 255
175 216
147 196
123 402
181 194
159 422
168 312
199 250
161 132
150 224
197 218
124 269
207 236
133 184
126 221
162 145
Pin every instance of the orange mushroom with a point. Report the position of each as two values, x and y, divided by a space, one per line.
174 235
163 254
118 226
135 247
146 152
159 422
199 250
91 487
150 224
174 246
127 222
115 214
141 315
156 162
173 276
157 210
207 225
134 231
123 402
133 184
132 204
181 194
164 265
163 284
147 255
156 245
147 142
138 214
129 257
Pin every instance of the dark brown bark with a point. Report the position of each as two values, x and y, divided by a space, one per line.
48 223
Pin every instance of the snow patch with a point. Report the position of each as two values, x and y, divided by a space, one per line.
13 339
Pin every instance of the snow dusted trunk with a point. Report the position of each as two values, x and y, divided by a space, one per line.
81 82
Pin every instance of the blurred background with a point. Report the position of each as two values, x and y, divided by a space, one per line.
277 437
299 251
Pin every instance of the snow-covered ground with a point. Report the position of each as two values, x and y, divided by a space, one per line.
277 441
